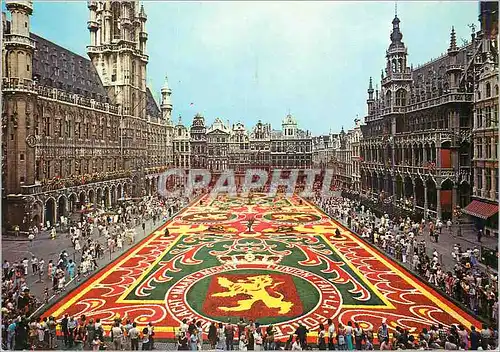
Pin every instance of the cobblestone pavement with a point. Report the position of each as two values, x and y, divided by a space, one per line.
43 247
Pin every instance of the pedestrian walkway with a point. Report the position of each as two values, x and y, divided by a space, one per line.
445 244
15 249
447 240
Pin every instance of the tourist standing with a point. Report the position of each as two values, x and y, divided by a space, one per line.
212 335
358 336
229 332
331 335
117 336
133 334
321 338
193 340
221 342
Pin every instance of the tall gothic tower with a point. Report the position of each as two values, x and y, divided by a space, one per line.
397 80
18 130
118 51
166 112
166 103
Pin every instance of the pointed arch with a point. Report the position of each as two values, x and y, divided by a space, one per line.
488 89
50 211
62 202
401 97
388 98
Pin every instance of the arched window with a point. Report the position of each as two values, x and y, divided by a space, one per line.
116 12
488 90
132 105
401 97
133 74
496 89
388 99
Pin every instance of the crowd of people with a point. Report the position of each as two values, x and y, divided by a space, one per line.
401 238
113 227
404 240
251 336
83 333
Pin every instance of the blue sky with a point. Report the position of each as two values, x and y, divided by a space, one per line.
245 61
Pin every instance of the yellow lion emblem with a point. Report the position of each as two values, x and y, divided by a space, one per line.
255 287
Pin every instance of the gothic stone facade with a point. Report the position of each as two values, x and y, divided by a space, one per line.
222 146
78 131
485 129
417 138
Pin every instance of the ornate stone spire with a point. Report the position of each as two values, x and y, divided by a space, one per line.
453 42
370 89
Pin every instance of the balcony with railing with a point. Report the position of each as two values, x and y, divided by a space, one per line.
15 39
454 68
79 180
406 76
14 3
123 45
27 85
448 98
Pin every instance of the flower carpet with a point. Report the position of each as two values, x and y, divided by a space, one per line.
271 259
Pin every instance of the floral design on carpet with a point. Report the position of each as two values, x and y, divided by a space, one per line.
287 267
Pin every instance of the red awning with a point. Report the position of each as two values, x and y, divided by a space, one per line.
481 210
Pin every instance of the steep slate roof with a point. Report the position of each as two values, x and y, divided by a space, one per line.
276 134
152 108
58 67
433 74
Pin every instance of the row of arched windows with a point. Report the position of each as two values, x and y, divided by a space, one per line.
400 98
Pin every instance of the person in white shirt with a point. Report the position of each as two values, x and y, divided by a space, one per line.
133 334
25 266
41 267
243 343
117 336
184 326
296 345
331 335
34 265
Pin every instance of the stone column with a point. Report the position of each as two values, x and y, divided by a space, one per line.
438 157
483 190
493 184
474 188
412 156
438 202
394 150
414 194
55 216
426 204
493 146
454 197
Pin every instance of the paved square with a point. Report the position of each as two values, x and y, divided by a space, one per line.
274 260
